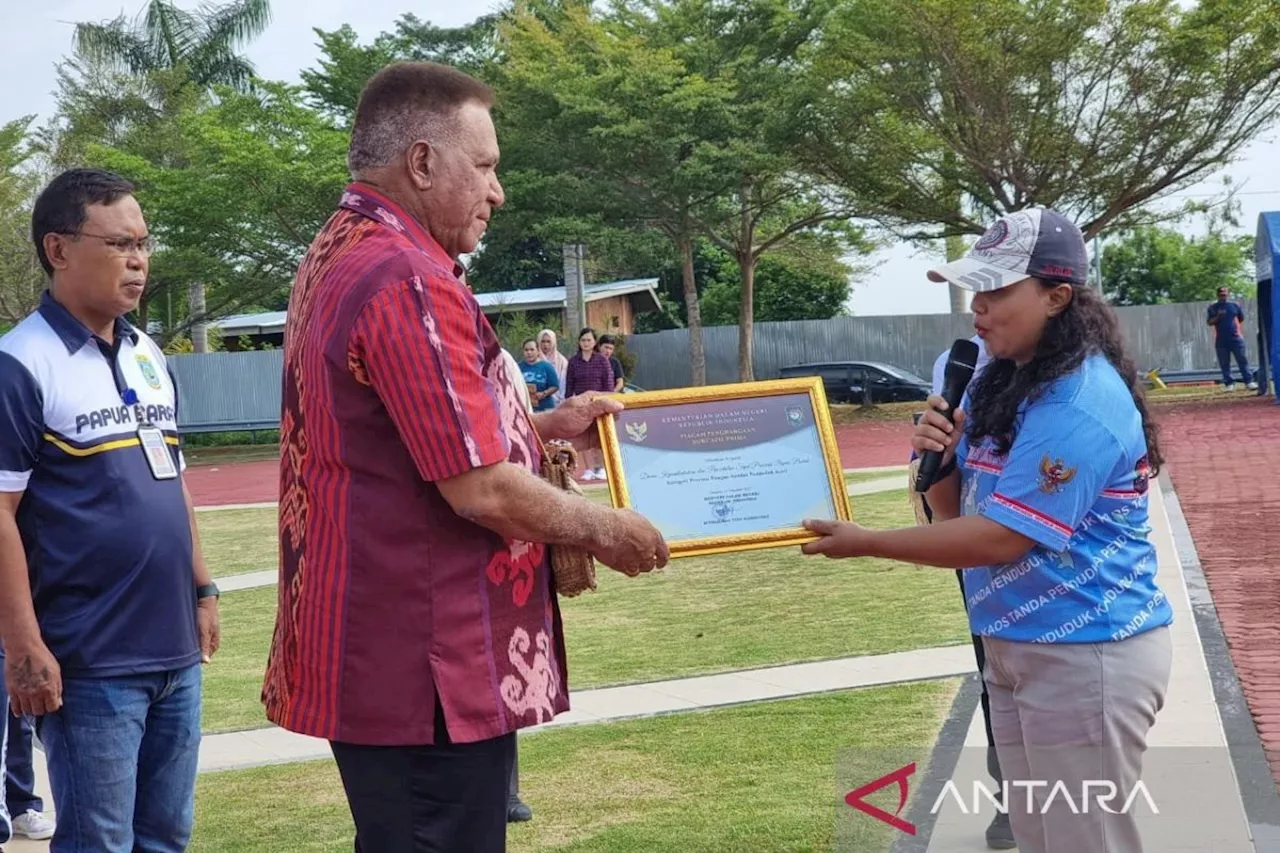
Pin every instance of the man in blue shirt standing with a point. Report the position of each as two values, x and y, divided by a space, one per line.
1227 319
106 607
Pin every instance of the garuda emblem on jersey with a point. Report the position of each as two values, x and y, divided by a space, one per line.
1054 474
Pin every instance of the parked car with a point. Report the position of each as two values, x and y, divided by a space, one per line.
845 381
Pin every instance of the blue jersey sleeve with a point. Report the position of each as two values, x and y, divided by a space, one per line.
1059 464
21 423
552 380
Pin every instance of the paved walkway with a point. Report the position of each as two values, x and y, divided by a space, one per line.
1187 743
274 745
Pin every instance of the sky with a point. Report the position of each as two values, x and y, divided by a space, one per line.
36 35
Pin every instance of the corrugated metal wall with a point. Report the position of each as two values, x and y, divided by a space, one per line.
1172 337
241 390
220 391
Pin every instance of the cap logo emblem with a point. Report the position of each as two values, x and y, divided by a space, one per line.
995 235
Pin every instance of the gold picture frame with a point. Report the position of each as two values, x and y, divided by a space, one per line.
810 388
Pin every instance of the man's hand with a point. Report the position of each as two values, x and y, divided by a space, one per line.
575 416
34 678
630 544
210 625
839 539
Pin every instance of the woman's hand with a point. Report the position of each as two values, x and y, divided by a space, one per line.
935 432
839 539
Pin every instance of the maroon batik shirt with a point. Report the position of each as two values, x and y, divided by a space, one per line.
393 381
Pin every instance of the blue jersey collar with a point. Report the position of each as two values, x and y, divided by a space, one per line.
73 333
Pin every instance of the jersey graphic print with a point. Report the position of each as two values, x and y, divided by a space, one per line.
1075 483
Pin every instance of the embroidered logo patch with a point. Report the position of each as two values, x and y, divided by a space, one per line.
1142 475
148 371
1054 474
995 235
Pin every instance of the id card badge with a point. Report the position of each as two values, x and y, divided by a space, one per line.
156 450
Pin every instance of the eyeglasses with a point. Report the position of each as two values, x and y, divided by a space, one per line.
143 246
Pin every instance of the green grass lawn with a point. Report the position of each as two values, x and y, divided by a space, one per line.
766 777
701 615
236 541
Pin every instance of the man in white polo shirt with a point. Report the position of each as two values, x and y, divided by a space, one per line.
106 607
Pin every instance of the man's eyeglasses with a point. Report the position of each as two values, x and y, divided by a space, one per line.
143 246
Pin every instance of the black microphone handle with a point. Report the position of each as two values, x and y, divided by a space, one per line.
931 460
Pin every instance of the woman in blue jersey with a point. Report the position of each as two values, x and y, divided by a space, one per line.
1042 499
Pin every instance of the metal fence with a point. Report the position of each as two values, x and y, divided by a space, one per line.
229 391
1169 337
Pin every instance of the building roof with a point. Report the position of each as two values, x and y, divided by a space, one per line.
269 323
537 299
543 298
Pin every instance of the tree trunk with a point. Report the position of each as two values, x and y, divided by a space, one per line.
746 315
196 313
955 250
144 309
697 353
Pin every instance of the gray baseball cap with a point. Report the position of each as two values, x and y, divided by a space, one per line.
1037 242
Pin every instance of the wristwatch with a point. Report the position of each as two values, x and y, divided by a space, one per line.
209 590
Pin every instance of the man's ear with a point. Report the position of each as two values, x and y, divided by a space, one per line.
55 249
421 160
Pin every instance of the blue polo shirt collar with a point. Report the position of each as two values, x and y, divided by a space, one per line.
72 332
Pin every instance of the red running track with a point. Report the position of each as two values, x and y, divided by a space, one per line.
868 445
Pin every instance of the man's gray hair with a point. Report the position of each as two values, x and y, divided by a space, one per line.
406 102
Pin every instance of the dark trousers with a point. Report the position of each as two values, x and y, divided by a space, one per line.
20 780
993 762
444 798
1227 349
20 776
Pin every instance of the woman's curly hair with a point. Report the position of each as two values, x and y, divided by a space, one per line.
1086 326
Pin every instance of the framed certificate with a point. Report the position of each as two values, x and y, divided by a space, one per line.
727 467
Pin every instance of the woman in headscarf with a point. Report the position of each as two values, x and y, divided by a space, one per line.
551 355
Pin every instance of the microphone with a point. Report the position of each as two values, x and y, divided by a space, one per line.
960 366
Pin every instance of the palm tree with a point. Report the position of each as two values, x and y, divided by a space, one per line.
201 44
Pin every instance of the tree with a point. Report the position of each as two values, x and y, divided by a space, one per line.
1152 266
786 289
765 198
1095 108
21 278
346 65
203 44
259 175
605 126
171 56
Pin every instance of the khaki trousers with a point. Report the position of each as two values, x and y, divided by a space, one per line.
1076 714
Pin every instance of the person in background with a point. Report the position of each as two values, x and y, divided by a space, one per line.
1043 497
24 806
589 371
539 377
999 833
606 345
548 346
1227 319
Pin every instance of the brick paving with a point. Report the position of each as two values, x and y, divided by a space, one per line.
1220 458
